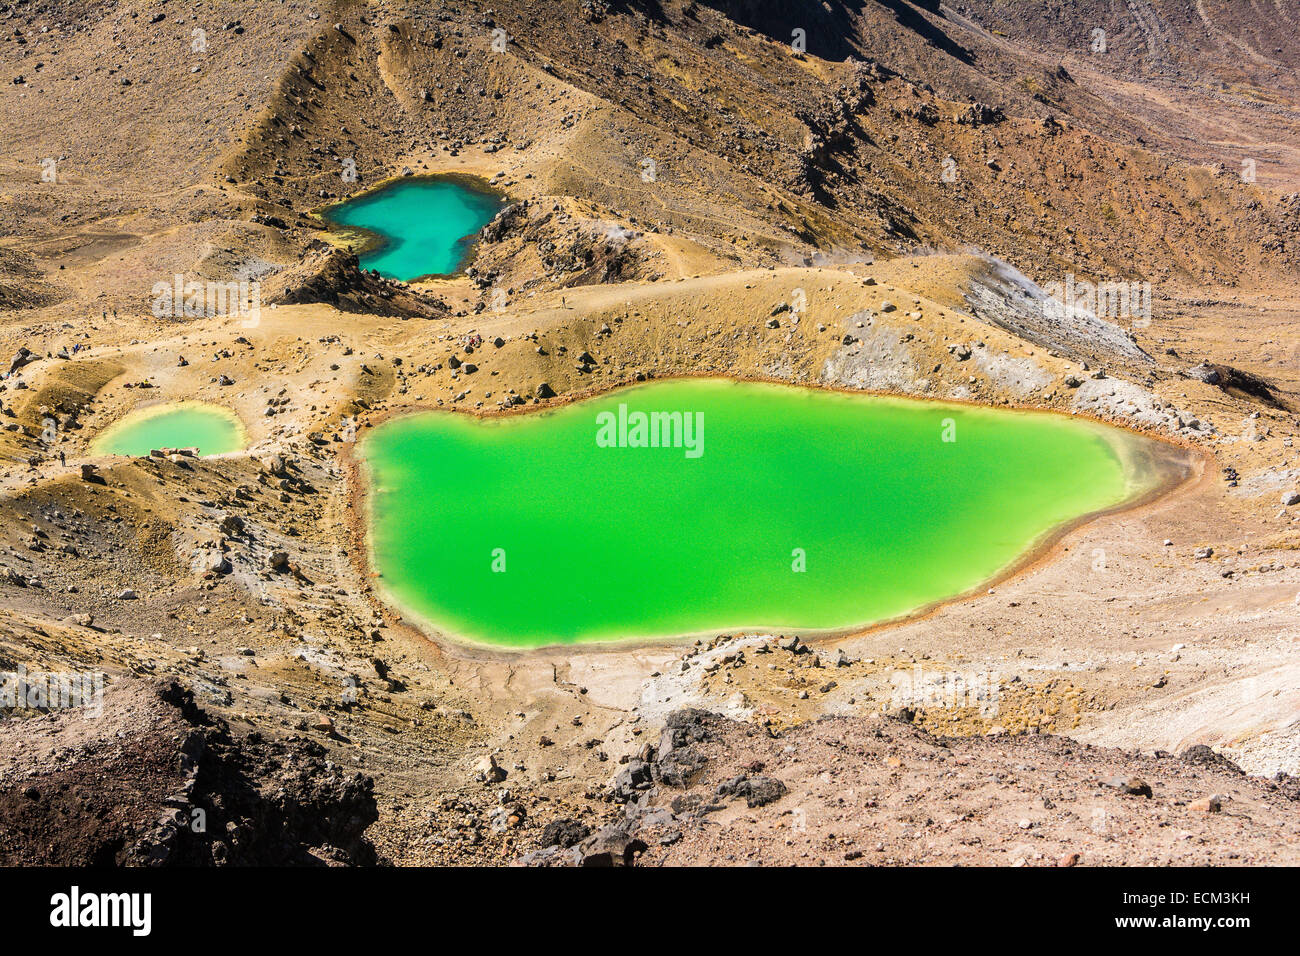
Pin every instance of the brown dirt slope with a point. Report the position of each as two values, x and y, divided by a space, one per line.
877 790
155 781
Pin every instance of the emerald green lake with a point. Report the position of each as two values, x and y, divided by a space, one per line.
210 428
417 227
556 528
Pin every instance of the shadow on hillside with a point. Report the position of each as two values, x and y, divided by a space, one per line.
831 27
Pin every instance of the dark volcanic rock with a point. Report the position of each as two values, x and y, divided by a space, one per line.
334 276
155 781
565 832
757 791
1202 756
612 845
631 780
679 760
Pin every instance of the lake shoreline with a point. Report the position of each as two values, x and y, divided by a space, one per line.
1180 467
364 241
142 414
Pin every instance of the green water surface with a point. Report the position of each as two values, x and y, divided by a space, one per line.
210 428
420 227
602 543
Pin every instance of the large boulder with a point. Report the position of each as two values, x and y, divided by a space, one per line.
609 846
632 780
564 832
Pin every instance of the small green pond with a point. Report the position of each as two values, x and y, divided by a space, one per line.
210 428
418 227
762 506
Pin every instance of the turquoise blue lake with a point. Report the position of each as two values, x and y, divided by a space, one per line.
418 227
